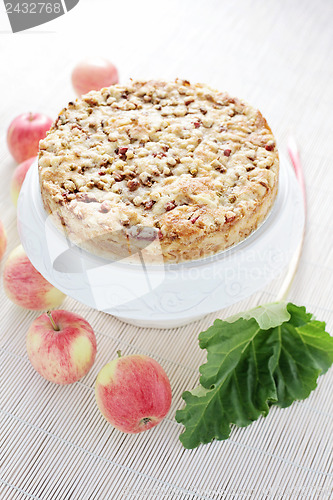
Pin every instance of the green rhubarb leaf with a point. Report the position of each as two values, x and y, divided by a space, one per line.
267 315
250 368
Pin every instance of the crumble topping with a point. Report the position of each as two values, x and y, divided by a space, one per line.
183 159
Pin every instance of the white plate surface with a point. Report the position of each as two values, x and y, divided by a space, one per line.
170 295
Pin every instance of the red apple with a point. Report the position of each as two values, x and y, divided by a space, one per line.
61 346
133 393
18 178
25 286
24 134
93 74
3 240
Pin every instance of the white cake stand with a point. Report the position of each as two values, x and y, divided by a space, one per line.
163 296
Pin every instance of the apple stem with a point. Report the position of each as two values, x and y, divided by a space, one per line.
119 354
55 327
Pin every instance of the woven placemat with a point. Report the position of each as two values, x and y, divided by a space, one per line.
54 444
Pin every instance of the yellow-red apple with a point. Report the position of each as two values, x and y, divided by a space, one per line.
24 134
3 240
93 74
133 393
61 346
25 286
18 178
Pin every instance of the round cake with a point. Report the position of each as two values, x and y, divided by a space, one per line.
179 171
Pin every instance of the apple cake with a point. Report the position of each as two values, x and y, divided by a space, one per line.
172 168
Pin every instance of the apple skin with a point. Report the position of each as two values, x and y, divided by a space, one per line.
25 286
63 356
93 74
18 178
24 134
3 240
133 393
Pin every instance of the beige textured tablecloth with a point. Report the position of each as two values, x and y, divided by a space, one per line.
54 444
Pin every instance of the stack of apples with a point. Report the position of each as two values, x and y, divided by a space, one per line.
133 392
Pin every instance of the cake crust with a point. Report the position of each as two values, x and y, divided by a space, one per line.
178 169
